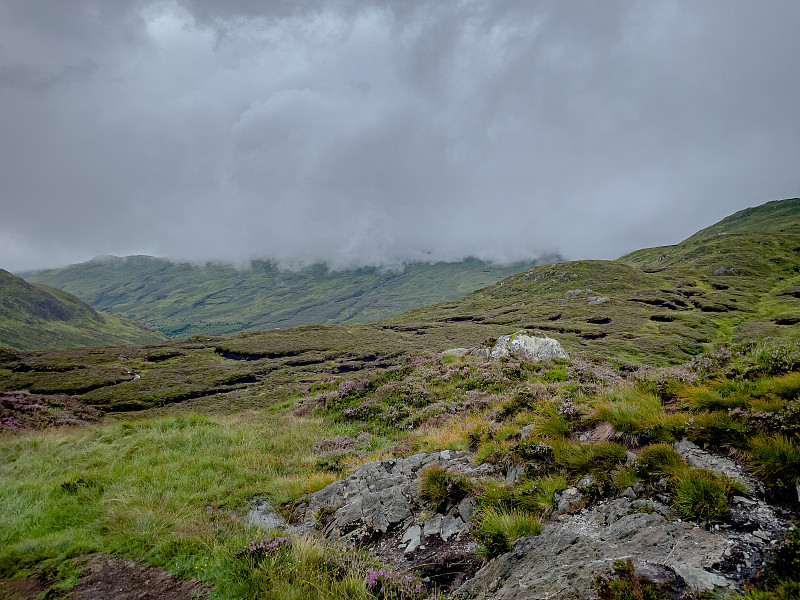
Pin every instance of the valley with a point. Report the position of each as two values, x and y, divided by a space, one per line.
411 457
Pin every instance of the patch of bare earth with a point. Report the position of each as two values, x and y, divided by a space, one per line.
109 578
21 589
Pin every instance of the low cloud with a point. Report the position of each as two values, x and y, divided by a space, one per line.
366 133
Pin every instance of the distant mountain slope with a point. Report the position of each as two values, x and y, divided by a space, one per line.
38 317
737 281
734 281
216 299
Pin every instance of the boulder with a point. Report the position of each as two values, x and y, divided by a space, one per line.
530 346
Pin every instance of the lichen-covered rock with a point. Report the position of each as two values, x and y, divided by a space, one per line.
534 347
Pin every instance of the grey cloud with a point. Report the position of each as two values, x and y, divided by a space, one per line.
377 132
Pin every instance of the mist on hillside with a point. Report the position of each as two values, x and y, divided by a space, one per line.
376 133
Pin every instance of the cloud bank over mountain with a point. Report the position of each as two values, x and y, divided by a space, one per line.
374 132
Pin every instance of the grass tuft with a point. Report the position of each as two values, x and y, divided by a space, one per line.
498 528
776 459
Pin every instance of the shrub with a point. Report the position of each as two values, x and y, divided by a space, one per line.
440 486
786 558
701 496
659 459
584 458
776 459
498 528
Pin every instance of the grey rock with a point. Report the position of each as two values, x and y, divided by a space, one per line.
262 514
433 526
597 299
701 459
569 500
561 562
466 508
572 293
456 352
450 527
514 473
533 347
481 352
413 537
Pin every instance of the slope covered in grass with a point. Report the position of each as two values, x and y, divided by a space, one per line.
634 310
182 300
38 316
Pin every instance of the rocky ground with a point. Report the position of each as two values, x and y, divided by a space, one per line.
379 506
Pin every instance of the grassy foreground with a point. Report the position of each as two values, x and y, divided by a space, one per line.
165 489
161 490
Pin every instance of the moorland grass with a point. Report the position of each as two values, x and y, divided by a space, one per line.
160 490
776 458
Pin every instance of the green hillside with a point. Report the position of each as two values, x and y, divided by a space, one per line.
182 300
34 316
738 281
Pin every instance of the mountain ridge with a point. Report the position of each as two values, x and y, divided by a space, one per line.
37 316
183 299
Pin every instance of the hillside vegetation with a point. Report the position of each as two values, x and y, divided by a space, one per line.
714 288
676 419
38 316
182 300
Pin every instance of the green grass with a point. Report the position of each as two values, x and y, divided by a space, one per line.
776 458
658 460
441 487
701 496
634 412
580 459
160 490
498 528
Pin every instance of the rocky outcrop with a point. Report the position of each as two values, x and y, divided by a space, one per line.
702 459
379 505
534 347
562 561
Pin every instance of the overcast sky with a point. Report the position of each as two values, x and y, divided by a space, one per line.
378 131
